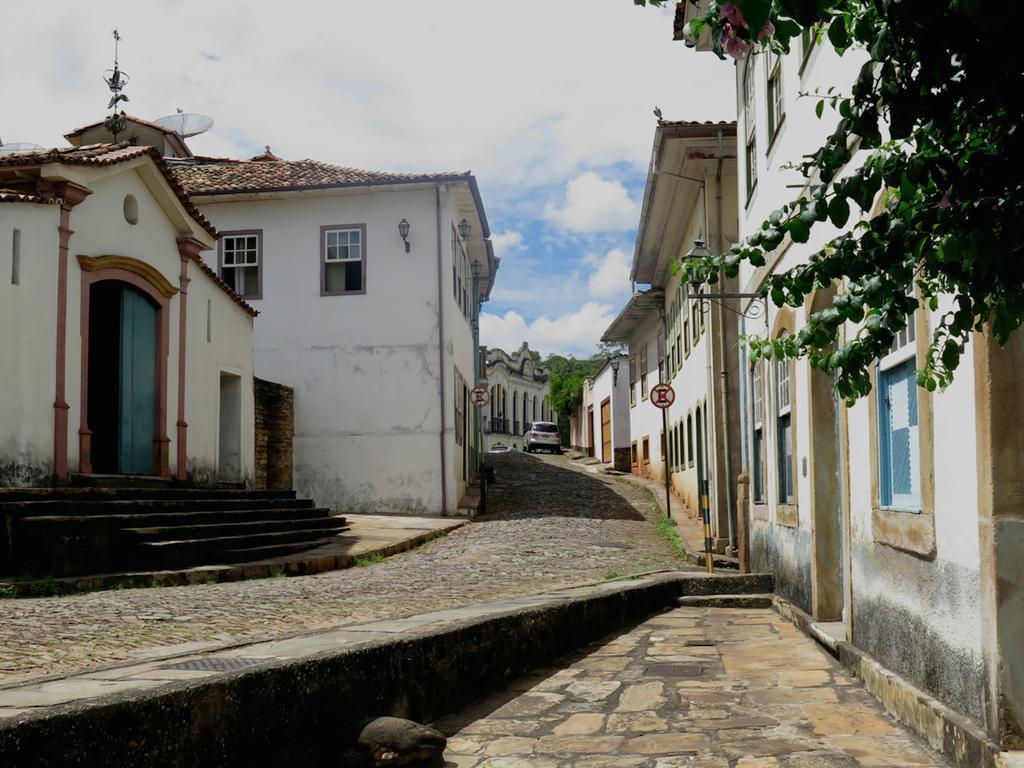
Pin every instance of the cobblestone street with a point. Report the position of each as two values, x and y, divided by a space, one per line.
764 696
548 525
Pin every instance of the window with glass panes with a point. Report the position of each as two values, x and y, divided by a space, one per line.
750 124
661 357
632 380
461 275
643 371
689 439
344 260
757 419
776 107
240 262
784 430
899 449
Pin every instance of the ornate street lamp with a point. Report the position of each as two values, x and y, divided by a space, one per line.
403 230
464 229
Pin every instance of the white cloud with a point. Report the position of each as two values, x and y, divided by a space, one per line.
574 333
593 204
611 278
345 83
507 242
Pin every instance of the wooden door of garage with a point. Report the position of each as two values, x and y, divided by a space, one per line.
606 431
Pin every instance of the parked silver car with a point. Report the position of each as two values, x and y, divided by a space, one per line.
542 436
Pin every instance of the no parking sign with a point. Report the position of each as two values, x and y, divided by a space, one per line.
662 396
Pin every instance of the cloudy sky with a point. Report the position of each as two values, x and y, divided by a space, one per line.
548 102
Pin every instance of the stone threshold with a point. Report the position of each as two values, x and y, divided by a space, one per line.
368 537
292 701
946 731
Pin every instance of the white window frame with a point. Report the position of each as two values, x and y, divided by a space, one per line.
327 258
237 277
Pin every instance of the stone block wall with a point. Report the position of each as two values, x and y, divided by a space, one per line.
275 427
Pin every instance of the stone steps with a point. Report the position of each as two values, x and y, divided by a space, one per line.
170 554
97 510
726 601
77 531
99 493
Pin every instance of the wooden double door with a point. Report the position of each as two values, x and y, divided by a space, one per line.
123 326
606 431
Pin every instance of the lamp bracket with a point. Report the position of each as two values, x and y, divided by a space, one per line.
757 307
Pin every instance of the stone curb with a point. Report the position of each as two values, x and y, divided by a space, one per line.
288 566
300 710
946 731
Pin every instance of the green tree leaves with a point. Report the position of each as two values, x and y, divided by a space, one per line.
935 114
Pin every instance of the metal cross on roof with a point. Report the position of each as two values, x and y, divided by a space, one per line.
116 80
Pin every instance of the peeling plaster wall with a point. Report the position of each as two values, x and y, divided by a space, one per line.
786 553
364 367
920 619
917 615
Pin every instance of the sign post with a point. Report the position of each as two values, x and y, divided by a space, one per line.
480 397
662 396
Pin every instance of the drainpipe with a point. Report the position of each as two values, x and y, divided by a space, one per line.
440 350
723 375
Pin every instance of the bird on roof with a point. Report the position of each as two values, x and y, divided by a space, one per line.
657 114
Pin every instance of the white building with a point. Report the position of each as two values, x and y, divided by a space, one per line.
899 517
674 339
368 284
600 427
519 395
122 352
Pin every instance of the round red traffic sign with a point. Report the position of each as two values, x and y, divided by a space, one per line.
479 397
662 395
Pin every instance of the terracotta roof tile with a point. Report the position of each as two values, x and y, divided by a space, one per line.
21 196
106 154
209 176
131 118
109 154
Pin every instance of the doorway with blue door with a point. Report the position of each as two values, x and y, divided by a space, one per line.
122 379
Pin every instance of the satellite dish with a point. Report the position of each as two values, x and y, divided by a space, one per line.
186 124
21 146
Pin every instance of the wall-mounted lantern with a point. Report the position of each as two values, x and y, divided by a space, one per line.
403 230
464 229
615 371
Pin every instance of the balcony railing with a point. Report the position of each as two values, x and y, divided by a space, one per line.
496 426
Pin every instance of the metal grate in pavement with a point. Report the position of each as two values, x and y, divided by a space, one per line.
215 664
673 670
699 643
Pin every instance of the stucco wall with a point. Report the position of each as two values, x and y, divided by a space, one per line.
28 329
365 368
28 358
227 349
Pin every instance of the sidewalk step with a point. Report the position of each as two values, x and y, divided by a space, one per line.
312 519
726 601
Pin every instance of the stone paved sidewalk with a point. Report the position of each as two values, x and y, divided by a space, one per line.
547 527
767 697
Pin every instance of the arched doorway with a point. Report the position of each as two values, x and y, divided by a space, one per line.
122 365
125 329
